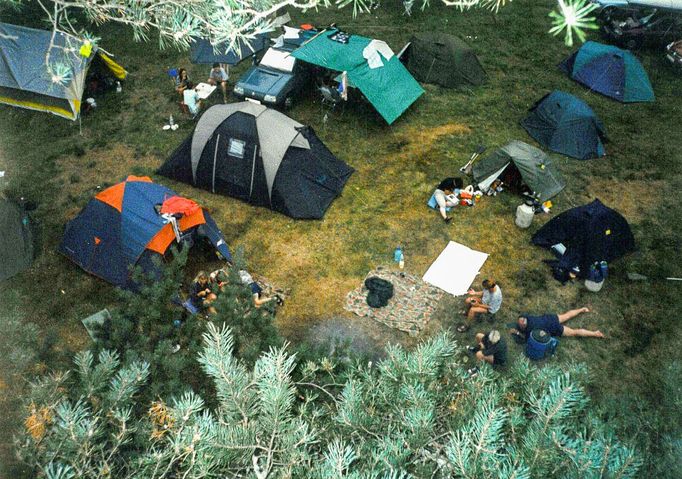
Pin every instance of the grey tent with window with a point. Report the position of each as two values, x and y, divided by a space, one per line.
444 60
261 156
17 239
521 167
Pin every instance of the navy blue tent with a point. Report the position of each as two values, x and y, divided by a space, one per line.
129 224
610 71
565 124
590 233
202 52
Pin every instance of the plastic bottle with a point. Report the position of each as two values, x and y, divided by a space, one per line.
604 266
170 121
399 257
119 88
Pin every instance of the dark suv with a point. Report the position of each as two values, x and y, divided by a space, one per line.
633 28
275 80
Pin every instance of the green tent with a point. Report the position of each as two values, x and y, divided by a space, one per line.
387 85
444 60
16 239
520 166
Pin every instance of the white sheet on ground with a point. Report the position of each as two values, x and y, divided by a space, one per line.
455 268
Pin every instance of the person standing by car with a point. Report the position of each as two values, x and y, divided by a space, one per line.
218 76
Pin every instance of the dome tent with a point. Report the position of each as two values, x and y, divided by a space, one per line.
590 233
129 224
610 71
444 60
565 124
518 164
260 156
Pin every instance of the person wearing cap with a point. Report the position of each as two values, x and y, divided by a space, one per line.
487 301
491 348
554 325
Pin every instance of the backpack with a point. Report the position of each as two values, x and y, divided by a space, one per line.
379 292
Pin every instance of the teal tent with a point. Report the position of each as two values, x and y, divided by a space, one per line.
610 71
567 125
370 65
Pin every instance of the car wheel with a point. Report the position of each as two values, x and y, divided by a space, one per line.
288 102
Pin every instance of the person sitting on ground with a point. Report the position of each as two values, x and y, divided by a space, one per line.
218 75
487 301
554 325
445 196
200 293
491 348
191 99
181 81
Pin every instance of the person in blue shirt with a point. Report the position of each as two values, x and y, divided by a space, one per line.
554 325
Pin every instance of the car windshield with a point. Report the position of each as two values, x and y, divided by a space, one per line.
278 60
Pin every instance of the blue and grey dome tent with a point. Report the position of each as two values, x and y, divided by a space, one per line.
610 71
565 124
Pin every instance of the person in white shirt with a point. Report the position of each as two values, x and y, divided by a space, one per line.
218 76
190 98
487 301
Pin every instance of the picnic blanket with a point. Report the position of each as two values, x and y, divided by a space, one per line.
455 268
409 309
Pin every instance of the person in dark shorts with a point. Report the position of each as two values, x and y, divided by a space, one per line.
554 325
200 293
491 348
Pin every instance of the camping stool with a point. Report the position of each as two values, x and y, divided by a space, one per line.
172 73
593 286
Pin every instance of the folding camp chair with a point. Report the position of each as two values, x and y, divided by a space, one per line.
330 98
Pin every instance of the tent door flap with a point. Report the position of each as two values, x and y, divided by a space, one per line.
253 171
215 156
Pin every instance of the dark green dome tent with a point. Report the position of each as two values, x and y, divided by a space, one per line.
17 239
567 125
520 165
443 59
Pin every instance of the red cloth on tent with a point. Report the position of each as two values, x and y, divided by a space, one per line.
178 204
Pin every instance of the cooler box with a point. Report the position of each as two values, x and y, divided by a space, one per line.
540 345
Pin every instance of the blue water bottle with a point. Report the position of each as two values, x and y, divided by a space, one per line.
604 266
398 255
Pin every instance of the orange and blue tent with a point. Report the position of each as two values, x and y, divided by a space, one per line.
130 223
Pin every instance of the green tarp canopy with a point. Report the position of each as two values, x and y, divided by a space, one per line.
389 88
16 239
534 166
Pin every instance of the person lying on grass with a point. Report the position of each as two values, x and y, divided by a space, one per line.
490 347
487 301
444 195
554 325
247 280
200 293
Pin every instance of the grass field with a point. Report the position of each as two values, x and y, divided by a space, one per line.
383 204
